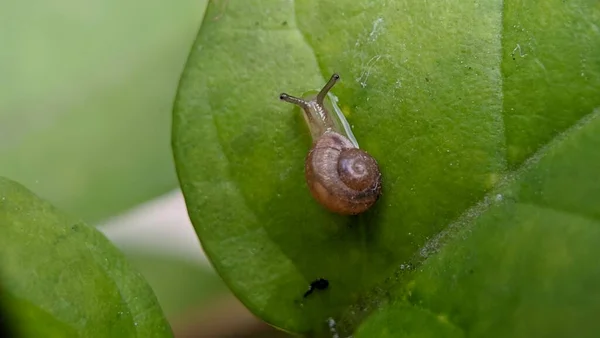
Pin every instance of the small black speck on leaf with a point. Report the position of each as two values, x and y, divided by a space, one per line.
318 284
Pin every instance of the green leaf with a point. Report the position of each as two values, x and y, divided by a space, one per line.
404 321
62 278
525 267
85 98
432 92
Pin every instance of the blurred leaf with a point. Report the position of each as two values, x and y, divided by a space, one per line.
438 93
62 278
179 285
525 267
85 98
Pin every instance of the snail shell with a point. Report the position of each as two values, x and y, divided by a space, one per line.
340 176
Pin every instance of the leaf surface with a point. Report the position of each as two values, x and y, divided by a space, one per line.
63 278
525 266
436 93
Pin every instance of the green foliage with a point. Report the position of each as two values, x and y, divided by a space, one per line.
525 266
404 321
62 278
452 98
85 96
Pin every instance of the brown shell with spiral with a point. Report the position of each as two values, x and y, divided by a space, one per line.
344 179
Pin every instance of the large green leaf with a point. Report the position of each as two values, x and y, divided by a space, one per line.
85 96
62 278
525 266
450 97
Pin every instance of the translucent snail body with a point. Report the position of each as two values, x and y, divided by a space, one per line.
344 179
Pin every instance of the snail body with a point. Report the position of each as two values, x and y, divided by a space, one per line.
340 176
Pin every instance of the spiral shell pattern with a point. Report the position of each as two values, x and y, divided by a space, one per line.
340 176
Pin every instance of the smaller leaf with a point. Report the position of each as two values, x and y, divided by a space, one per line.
62 278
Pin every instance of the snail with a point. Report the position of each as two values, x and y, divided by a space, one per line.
340 176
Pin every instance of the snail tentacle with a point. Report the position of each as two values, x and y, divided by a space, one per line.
321 96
